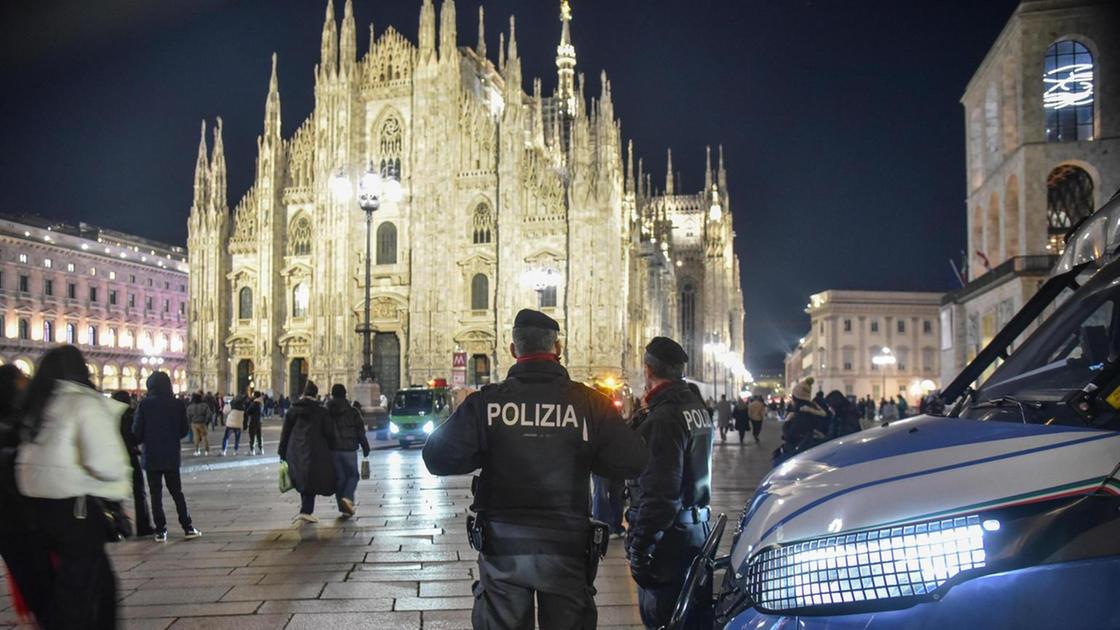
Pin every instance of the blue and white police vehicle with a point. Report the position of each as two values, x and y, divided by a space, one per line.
1001 513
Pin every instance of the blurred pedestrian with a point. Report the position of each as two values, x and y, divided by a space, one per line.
756 413
742 419
234 421
888 410
347 434
253 409
139 495
160 425
723 417
74 451
199 413
305 446
21 545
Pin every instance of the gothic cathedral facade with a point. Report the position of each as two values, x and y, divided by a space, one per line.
509 200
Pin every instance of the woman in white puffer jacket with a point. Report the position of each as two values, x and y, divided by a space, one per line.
73 450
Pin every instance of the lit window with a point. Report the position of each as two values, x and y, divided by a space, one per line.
1067 97
70 267
23 258
48 332
71 334
301 296
112 275
91 335
93 271
47 263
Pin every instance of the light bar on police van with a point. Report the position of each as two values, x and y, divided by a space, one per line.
883 566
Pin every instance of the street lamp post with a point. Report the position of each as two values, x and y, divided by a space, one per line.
372 188
884 359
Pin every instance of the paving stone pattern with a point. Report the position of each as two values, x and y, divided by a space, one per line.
402 563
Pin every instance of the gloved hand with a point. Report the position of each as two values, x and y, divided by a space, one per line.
641 568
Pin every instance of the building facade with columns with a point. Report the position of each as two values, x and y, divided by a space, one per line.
510 199
121 299
1042 120
850 329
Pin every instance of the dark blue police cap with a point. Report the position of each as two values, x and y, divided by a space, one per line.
528 318
667 350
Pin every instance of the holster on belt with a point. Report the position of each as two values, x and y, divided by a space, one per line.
499 538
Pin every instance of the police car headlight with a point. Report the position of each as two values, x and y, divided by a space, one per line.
886 566
393 428
429 426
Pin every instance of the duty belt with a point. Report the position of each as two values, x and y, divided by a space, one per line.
512 539
694 515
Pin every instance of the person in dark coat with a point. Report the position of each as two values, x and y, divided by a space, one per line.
742 419
305 446
253 409
139 497
160 426
348 432
21 546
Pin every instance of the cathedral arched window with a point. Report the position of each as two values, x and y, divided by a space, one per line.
245 303
301 298
1068 92
391 145
387 244
1069 198
480 292
482 225
299 237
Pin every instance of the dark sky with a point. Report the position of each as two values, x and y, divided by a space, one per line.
840 118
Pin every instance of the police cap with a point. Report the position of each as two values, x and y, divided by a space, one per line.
667 350
528 318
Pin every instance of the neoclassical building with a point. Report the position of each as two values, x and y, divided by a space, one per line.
1042 116
509 199
121 299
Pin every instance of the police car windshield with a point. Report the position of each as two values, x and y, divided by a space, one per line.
412 402
1067 350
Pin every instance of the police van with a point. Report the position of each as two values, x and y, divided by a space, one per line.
1003 512
417 411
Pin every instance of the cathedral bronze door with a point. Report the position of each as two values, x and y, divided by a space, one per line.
387 362
297 377
244 375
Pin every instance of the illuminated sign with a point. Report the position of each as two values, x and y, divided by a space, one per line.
1068 86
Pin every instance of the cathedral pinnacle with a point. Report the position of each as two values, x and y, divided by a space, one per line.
348 40
566 61
217 191
272 106
427 30
328 50
481 33
447 33
669 188
201 173
708 168
722 172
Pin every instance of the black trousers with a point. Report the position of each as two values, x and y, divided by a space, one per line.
756 428
255 435
504 593
140 498
24 551
84 593
671 558
156 479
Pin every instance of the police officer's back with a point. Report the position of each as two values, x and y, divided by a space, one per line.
536 437
669 510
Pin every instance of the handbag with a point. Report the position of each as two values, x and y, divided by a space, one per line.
113 518
285 478
235 419
365 469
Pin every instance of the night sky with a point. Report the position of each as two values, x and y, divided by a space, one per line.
840 118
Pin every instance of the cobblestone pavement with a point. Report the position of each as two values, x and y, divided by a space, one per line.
401 563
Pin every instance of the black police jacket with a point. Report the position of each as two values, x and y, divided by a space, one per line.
678 429
537 437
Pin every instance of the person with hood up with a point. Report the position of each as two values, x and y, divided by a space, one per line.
139 496
347 434
160 425
199 412
305 446
72 451
806 424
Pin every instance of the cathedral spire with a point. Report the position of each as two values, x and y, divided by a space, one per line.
566 61
501 52
427 30
447 33
481 33
708 168
372 38
272 106
513 66
218 200
348 41
669 187
201 173
328 50
722 172
629 167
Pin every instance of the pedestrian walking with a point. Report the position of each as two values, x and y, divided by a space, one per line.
756 413
253 409
888 410
537 437
742 420
669 510
723 417
139 493
73 453
21 545
305 446
347 435
234 413
199 414
160 425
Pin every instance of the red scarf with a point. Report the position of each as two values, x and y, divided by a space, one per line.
539 356
656 389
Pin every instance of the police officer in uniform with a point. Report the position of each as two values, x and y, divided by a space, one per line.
537 437
669 511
